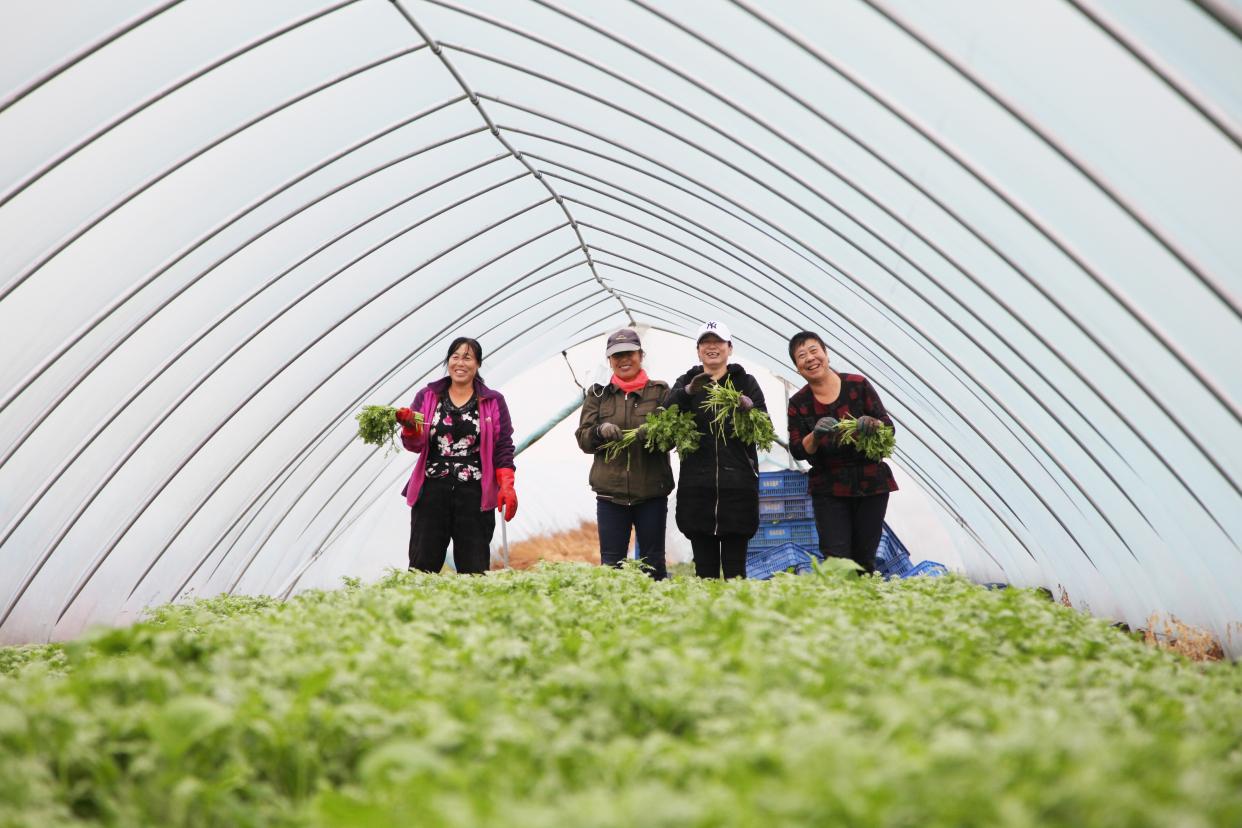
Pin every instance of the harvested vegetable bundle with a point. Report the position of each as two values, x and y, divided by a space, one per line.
877 445
721 403
750 426
378 426
614 447
754 427
670 428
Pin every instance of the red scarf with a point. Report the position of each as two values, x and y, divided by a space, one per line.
635 384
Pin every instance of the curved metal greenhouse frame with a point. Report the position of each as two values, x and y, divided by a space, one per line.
226 225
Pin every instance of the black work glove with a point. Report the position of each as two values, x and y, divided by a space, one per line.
608 431
825 425
868 425
698 383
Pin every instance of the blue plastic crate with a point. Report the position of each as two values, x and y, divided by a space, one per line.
785 508
896 568
929 568
801 532
762 564
783 483
891 557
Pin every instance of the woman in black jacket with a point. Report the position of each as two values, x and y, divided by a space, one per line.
718 486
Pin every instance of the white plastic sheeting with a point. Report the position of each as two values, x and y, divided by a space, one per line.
225 225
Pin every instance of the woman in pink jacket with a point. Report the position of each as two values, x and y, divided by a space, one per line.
465 465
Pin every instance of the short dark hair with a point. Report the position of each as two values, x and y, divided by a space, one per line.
465 340
802 337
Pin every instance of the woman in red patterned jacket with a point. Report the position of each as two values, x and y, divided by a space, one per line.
849 491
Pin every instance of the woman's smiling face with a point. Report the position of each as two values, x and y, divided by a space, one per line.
626 364
811 360
463 365
714 352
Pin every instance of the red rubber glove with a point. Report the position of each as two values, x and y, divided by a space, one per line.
411 426
506 500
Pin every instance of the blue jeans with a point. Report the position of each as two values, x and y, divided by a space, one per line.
648 519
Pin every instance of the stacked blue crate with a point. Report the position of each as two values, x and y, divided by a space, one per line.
930 569
892 560
762 564
786 538
787 520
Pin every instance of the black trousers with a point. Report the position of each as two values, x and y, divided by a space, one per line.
648 519
850 527
712 553
447 510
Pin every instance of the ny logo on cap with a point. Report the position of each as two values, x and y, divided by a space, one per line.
711 326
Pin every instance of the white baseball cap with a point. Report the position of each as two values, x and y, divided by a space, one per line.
715 328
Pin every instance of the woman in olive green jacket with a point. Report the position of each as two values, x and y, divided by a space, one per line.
632 490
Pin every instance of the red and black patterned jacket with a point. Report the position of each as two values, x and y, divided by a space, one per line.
837 470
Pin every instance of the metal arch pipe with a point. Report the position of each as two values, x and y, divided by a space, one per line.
83 54
765 125
171 262
996 451
267 493
1079 164
1031 434
323 470
120 534
1010 199
776 192
46 168
821 163
1148 224
286 589
1167 74
293 580
722 197
1224 13
929 484
478 105
29 578
118 409
1069 364
95 220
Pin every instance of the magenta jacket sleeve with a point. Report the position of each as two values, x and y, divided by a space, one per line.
503 453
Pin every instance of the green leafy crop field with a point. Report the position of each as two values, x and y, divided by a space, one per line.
574 696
